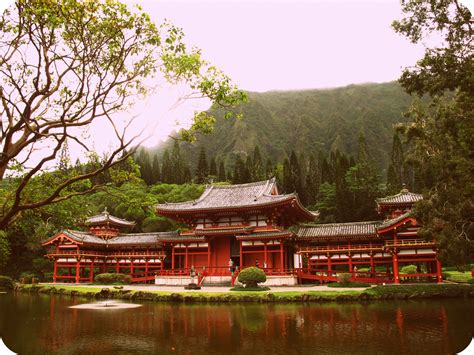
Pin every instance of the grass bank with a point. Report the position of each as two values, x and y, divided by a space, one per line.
388 292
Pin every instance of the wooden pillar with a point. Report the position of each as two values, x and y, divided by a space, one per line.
329 263
241 256
439 274
172 256
396 278
372 265
282 267
351 268
209 253
78 270
91 272
146 267
265 253
131 267
55 272
186 257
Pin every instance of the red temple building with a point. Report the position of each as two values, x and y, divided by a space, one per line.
245 223
232 227
382 246
104 247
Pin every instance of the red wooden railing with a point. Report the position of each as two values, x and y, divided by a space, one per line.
90 253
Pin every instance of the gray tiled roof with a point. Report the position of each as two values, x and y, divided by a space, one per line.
228 230
404 197
243 195
390 222
105 217
333 230
83 237
182 238
265 235
122 239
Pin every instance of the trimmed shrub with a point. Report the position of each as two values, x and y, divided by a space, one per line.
409 269
363 269
344 278
6 282
112 278
252 276
258 288
471 281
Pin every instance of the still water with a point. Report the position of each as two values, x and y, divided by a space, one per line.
36 324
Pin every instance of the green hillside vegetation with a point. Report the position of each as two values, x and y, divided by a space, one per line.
307 121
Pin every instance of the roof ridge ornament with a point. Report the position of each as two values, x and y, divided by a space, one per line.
404 189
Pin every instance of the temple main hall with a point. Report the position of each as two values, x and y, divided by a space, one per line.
231 227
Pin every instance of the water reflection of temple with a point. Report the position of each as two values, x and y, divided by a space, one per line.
330 328
235 226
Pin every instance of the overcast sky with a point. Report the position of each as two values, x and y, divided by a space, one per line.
282 45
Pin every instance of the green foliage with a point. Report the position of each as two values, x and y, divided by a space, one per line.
4 249
344 278
250 289
112 278
252 276
308 121
202 170
441 132
6 282
72 62
408 269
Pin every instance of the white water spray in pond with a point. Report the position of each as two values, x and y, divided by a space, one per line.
106 305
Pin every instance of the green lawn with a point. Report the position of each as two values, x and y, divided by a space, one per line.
458 276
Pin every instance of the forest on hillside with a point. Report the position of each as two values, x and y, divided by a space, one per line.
306 122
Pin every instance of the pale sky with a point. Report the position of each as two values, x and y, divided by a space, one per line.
278 45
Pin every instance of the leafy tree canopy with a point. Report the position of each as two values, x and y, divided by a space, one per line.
441 134
67 64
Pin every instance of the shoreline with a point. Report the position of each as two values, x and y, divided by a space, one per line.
275 295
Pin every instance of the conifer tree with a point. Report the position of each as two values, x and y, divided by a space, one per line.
269 171
64 158
221 176
213 168
296 177
313 180
362 182
287 178
258 171
177 165
202 169
143 161
239 167
247 169
166 168
155 167
395 175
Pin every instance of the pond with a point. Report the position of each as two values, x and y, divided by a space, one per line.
37 324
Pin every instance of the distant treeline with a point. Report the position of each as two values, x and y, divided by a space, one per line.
342 187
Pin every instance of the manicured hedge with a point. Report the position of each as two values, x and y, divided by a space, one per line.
408 269
112 278
6 282
252 276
